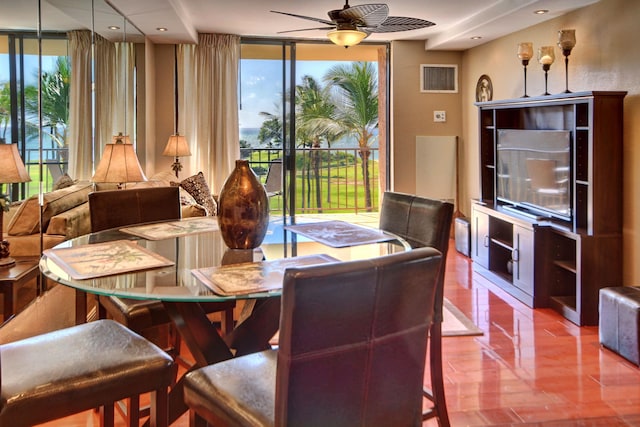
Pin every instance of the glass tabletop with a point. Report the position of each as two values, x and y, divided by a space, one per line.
193 251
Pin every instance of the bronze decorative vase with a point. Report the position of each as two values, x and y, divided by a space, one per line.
243 208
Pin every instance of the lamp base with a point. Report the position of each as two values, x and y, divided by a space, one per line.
7 262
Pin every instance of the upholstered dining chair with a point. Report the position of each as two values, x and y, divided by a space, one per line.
347 356
425 222
118 208
61 373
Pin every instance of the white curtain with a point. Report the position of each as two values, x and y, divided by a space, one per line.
208 105
114 70
105 66
80 142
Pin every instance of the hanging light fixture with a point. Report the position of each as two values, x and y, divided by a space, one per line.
177 146
346 35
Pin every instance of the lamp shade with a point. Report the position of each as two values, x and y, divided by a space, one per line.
118 164
177 146
11 167
346 37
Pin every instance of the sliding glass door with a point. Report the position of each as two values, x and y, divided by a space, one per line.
321 111
20 109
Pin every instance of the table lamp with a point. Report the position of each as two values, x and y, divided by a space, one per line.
176 147
119 163
11 170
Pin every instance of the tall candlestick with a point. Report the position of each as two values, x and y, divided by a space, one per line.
566 42
525 52
546 56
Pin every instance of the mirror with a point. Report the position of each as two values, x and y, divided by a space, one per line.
48 155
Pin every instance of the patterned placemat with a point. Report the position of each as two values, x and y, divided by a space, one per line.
253 277
339 234
105 259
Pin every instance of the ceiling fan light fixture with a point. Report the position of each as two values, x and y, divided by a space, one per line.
346 37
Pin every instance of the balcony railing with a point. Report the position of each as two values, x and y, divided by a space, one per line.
327 180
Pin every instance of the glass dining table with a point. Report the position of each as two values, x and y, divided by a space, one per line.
173 261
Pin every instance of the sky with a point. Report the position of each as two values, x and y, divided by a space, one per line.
261 86
30 66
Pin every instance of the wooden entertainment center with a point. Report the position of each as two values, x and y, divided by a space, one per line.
557 261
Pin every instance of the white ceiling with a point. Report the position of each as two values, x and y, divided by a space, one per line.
457 21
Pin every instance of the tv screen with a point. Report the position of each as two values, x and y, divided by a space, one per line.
533 171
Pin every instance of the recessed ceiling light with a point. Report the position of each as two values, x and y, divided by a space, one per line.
541 11
161 29
114 27
476 37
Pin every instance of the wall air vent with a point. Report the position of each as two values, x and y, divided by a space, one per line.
435 78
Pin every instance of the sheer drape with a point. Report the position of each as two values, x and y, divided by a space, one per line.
208 78
80 118
105 66
114 98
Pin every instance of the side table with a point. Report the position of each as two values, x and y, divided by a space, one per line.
15 276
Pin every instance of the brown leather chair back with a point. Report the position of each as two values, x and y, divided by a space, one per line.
353 340
117 208
422 222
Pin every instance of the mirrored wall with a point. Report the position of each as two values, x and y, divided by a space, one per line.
68 83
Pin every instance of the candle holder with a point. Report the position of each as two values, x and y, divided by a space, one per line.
546 56
566 42
525 53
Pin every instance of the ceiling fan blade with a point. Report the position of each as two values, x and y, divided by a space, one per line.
309 18
399 23
367 15
307 29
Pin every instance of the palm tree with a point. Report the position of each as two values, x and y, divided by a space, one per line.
271 130
358 112
55 87
5 110
315 118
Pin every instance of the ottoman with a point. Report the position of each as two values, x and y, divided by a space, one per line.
620 321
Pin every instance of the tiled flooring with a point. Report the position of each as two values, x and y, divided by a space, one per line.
530 368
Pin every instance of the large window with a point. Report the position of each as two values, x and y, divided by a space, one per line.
27 118
318 107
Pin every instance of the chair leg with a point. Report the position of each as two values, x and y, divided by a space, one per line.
159 408
133 411
107 416
436 395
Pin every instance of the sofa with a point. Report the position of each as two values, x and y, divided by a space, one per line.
65 211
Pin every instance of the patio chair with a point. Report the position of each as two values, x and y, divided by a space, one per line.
425 223
346 355
273 183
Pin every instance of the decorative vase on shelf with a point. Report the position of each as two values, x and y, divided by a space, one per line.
243 208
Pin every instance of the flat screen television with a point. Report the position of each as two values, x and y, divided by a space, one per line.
533 172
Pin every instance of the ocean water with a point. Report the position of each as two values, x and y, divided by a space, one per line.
251 136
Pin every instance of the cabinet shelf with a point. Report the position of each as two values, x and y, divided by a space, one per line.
566 265
502 243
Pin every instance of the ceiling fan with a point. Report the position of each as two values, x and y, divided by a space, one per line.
352 24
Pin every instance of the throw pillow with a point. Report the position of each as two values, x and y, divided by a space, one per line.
63 182
196 185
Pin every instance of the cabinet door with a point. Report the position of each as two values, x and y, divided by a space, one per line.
480 238
523 258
